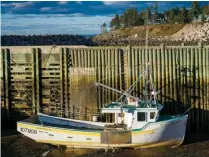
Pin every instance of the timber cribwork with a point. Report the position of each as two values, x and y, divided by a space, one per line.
58 79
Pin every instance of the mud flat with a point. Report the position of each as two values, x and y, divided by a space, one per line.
14 145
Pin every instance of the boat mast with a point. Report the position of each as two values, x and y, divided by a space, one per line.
146 50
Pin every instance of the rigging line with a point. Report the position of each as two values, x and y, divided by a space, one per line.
109 90
120 73
54 46
133 85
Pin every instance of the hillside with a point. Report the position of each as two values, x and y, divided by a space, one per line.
171 34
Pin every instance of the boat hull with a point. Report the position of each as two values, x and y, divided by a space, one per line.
164 133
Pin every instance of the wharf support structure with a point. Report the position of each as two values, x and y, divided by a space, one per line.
59 79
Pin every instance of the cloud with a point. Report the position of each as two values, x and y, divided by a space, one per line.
46 8
118 4
55 9
111 2
79 2
22 4
77 15
6 4
17 5
63 2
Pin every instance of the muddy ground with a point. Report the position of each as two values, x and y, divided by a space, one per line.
14 145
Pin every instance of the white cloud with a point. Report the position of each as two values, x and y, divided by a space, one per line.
46 8
77 14
79 2
54 9
118 3
63 2
22 5
111 2
6 4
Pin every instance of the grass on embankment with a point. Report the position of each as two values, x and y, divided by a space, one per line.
154 30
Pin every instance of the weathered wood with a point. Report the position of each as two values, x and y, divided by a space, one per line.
50 85
38 80
66 55
61 80
6 58
34 80
3 83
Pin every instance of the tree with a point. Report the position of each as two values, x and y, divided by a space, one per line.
155 12
103 28
203 18
205 10
141 18
172 15
183 15
195 10
130 18
115 22
148 10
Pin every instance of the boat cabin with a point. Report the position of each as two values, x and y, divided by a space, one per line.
135 114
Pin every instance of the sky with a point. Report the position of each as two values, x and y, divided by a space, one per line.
69 17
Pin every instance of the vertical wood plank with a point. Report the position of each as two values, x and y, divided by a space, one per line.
61 81
65 82
34 80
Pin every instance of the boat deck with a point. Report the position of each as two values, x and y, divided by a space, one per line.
35 120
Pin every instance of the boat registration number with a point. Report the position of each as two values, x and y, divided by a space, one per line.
31 131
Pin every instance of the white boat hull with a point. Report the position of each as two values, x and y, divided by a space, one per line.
163 133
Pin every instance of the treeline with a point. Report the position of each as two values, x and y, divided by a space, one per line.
131 17
62 39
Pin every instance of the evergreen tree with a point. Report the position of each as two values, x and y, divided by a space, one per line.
205 10
155 12
203 19
124 19
141 18
195 10
130 18
103 28
115 22
145 14
183 15
172 15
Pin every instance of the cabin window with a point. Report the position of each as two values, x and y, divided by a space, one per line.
141 116
131 99
152 115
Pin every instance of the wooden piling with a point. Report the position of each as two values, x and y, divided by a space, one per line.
34 80
38 80
171 65
61 81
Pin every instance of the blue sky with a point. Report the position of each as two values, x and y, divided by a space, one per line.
68 17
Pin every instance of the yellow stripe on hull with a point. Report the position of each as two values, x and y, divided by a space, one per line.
143 132
76 132
171 143
58 130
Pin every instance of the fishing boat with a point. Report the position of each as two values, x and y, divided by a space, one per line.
137 123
